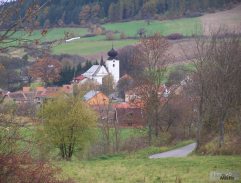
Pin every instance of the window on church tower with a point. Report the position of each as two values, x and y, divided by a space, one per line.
113 65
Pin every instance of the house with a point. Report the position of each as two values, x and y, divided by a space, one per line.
136 93
80 79
129 116
37 95
95 98
111 66
20 97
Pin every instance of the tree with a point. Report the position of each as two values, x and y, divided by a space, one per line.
108 84
85 14
177 75
141 32
68 123
152 54
124 84
66 75
47 68
17 15
217 80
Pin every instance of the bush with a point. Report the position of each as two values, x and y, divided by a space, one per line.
231 147
89 35
23 169
175 36
109 35
193 14
122 35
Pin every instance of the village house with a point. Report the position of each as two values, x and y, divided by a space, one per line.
37 95
129 116
96 98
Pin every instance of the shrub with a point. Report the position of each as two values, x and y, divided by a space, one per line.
109 35
174 36
230 147
23 169
89 35
122 35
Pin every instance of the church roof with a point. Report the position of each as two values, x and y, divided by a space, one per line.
95 70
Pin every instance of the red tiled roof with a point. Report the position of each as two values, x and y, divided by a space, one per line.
122 106
79 78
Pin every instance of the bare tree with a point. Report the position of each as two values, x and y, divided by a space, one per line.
217 79
152 54
14 19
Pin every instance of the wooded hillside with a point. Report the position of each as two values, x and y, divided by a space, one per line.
66 12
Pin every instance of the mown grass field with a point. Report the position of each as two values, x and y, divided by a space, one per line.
86 47
185 26
193 169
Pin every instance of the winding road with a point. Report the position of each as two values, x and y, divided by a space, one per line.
180 152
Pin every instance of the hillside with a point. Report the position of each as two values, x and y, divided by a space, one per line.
230 19
69 12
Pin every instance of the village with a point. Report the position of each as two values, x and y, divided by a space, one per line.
127 110
120 91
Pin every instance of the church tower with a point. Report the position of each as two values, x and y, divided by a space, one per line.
113 64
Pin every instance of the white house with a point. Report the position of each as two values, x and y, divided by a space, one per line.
111 66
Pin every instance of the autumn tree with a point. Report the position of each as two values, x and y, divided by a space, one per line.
107 84
68 125
47 68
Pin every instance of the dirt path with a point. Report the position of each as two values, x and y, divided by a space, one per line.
180 152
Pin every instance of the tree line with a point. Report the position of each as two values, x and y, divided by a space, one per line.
65 12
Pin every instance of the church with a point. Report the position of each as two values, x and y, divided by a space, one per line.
111 66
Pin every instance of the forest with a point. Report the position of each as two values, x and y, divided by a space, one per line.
76 12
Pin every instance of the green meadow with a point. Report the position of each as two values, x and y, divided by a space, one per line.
85 48
135 167
185 26
97 44
118 169
52 34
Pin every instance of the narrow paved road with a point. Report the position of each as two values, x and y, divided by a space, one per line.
180 152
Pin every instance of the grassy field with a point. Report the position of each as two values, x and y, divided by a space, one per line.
135 167
87 47
98 44
52 34
193 169
185 26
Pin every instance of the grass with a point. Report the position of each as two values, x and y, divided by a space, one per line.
86 48
98 44
185 26
193 169
52 34
137 168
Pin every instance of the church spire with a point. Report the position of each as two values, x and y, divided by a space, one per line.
112 53
102 63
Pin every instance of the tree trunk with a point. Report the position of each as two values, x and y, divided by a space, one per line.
221 135
149 134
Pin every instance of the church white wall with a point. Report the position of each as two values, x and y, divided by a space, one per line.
114 69
98 79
